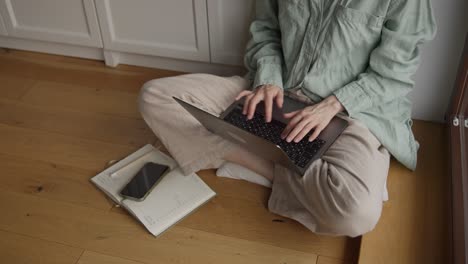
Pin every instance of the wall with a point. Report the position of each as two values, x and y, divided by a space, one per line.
440 58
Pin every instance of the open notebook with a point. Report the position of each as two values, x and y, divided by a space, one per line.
173 198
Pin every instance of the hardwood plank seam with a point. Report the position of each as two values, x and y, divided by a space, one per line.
81 138
72 110
77 137
48 162
86 112
42 239
56 200
124 258
78 259
63 135
252 241
27 90
331 258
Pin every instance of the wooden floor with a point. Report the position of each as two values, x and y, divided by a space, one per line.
414 226
62 119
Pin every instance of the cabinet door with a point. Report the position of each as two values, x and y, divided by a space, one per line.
229 29
70 21
3 31
166 28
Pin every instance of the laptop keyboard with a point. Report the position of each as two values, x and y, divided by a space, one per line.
300 153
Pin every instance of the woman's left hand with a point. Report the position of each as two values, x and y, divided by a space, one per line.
315 117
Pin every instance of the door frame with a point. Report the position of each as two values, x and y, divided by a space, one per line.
457 117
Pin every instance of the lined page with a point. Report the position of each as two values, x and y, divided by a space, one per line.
172 199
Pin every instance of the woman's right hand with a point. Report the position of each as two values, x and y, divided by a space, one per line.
267 93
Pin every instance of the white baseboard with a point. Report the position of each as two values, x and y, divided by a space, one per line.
116 58
52 48
112 59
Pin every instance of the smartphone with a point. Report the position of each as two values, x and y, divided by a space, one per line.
144 181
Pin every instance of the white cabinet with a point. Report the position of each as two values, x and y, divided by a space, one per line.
71 21
165 28
185 35
229 23
3 31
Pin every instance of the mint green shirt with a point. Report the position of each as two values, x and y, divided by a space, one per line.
365 52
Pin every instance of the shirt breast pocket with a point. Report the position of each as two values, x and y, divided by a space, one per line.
292 13
358 17
348 42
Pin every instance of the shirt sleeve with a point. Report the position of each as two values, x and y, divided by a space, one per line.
395 60
264 55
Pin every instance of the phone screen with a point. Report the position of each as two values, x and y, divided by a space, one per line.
144 180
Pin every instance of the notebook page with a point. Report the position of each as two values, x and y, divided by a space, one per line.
172 199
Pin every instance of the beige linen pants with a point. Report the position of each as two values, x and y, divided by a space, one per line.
340 194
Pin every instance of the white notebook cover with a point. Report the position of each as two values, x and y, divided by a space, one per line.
173 198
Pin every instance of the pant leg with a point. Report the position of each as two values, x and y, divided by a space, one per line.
188 142
341 193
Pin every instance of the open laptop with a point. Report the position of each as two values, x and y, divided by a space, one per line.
264 139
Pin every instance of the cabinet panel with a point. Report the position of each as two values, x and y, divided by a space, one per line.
3 31
167 28
71 21
229 29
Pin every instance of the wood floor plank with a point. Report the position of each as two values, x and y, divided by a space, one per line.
118 235
413 226
13 87
59 149
32 56
94 126
16 249
327 260
81 72
90 257
80 98
51 181
236 217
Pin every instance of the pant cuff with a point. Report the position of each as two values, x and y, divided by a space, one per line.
208 160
